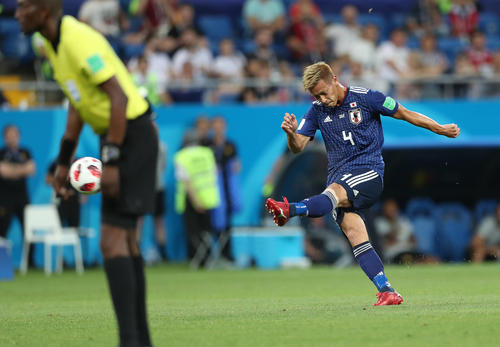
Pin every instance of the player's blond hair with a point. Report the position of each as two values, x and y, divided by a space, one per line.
316 72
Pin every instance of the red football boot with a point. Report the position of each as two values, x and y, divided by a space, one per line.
388 298
280 211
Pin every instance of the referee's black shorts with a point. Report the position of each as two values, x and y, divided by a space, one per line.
137 164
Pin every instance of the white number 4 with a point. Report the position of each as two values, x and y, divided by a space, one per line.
348 138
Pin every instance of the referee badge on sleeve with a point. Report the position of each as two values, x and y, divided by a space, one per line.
355 116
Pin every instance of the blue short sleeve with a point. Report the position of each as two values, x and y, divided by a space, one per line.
381 103
308 124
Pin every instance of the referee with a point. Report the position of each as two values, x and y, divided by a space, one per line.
102 94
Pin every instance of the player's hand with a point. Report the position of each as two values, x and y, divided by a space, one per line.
289 124
449 130
110 181
60 182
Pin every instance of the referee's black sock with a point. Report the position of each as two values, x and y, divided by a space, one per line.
141 314
122 286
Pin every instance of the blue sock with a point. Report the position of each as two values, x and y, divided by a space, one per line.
315 206
371 264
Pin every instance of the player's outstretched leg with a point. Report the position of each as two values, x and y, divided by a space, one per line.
315 206
354 228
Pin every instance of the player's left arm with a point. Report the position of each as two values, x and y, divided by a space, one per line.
420 120
118 119
110 180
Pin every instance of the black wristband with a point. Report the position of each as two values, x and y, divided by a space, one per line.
66 152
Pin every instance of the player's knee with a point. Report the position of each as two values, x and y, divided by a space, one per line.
340 195
113 243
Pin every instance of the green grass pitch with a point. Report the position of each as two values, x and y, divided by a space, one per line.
445 305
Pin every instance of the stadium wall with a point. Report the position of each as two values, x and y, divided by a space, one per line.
256 132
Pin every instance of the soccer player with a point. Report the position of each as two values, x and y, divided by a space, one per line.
102 94
349 121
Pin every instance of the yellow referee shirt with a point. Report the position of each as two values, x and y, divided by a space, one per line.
81 62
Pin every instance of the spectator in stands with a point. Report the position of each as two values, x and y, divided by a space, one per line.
263 50
392 57
427 62
464 70
479 55
306 38
188 90
268 14
434 63
358 75
495 64
16 165
464 18
181 19
195 53
229 64
156 16
425 18
395 231
105 16
343 35
158 63
150 83
287 92
363 49
262 91
486 242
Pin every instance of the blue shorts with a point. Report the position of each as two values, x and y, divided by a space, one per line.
363 187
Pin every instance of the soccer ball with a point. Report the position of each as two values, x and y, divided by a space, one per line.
85 175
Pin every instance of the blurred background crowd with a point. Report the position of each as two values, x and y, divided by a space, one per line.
253 51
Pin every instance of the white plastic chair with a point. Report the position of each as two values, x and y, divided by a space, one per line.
42 225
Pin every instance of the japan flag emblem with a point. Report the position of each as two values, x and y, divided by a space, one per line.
355 116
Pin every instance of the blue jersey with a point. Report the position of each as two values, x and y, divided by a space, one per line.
352 131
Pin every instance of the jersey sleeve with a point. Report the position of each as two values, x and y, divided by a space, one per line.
381 103
308 124
91 55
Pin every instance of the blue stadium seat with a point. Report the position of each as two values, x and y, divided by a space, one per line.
216 27
330 18
493 43
451 47
130 51
484 208
488 23
72 7
9 26
454 231
421 212
398 20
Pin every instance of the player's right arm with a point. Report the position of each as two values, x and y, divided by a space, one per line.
296 142
67 151
420 120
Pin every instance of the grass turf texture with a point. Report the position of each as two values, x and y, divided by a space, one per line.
456 305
